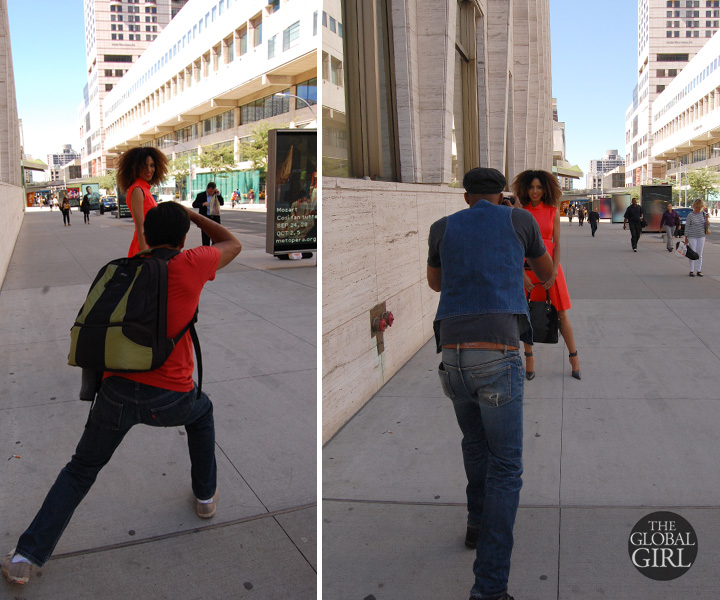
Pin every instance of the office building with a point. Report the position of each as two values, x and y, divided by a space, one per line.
599 167
211 77
117 32
11 190
613 179
686 116
429 89
58 159
670 33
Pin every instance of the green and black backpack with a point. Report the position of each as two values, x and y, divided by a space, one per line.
122 325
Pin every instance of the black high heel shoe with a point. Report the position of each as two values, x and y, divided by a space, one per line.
529 374
575 374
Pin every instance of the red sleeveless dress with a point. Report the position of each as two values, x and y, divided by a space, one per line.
545 217
148 203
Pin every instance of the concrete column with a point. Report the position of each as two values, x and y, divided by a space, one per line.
436 55
407 89
498 76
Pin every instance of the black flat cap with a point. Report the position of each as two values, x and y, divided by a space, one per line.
484 181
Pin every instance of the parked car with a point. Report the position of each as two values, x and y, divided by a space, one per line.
683 212
108 203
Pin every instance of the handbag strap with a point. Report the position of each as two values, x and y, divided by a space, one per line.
547 297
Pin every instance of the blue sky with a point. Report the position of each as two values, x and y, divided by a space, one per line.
594 71
48 47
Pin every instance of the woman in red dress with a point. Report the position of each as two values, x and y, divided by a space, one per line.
540 193
138 169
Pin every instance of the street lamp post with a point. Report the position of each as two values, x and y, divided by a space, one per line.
287 95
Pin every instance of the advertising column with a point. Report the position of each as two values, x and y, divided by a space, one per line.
291 192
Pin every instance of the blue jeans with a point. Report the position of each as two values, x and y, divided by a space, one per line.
486 387
121 403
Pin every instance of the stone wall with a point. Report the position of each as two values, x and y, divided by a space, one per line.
374 250
12 203
12 197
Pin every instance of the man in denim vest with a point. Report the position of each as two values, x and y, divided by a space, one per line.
475 261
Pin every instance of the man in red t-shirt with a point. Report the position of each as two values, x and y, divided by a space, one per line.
165 397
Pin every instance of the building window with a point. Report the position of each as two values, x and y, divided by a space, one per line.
291 36
332 25
216 57
324 19
273 6
307 90
369 97
659 88
256 25
271 46
315 15
108 72
242 40
336 72
661 72
229 49
108 87
119 72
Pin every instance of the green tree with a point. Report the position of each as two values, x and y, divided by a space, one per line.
108 181
634 192
218 160
701 182
256 150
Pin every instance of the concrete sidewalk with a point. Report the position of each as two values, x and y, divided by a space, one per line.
638 434
136 534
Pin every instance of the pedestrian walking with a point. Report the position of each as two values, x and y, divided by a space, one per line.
85 205
539 193
581 216
481 318
669 221
65 209
570 214
593 219
696 226
138 169
208 204
633 216
164 397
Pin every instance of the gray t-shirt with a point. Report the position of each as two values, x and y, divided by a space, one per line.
501 328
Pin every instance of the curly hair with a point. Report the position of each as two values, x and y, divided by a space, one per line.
131 163
551 188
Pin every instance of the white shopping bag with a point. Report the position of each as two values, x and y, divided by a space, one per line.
680 249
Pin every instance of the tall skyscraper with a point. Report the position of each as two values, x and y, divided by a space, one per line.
670 33
117 32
